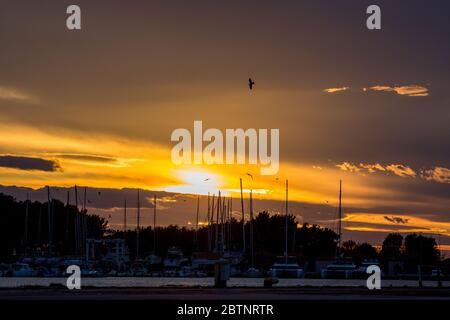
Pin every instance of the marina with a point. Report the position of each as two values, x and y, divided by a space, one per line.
179 282
224 252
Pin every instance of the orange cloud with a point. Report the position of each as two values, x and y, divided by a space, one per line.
377 222
437 174
408 90
401 170
338 89
347 166
15 95
371 168
362 168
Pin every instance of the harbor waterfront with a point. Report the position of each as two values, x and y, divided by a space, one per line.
251 160
161 282
210 255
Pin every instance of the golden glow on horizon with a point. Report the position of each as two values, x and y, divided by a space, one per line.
196 181
377 222
111 162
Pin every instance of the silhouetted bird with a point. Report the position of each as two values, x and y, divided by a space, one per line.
250 83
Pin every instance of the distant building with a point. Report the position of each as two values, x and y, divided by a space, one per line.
395 267
111 250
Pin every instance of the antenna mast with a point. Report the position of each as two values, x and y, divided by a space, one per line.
243 218
286 226
125 215
138 224
154 224
340 217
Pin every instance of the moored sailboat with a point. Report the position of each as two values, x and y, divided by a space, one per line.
340 269
286 266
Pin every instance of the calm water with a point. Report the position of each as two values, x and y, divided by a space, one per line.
203 282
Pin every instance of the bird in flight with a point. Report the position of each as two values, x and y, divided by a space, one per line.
250 83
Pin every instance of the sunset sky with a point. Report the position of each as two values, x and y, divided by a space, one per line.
96 107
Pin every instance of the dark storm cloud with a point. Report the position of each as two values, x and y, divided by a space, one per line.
158 57
396 219
28 163
87 157
100 198
134 61
142 69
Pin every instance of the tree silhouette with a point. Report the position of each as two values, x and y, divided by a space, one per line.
24 229
21 233
420 250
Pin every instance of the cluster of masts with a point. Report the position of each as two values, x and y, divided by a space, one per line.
80 225
138 222
218 222
218 218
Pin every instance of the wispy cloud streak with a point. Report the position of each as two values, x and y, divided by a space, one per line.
406 90
12 94
337 89
363 168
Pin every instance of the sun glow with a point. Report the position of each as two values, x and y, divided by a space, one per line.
197 181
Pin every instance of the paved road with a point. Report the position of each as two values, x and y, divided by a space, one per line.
192 294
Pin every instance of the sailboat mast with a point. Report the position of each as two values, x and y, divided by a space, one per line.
138 216
76 225
196 223
340 217
230 212
84 224
49 220
243 218
154 224
251 228
222 224
208 219
84 200
211 222
125 215
286 226
39 227
25 235
66 236
217 224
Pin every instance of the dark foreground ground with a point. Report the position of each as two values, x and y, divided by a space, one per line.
233 294
230 303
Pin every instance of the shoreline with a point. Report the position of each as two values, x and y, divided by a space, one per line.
235 293
207 282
